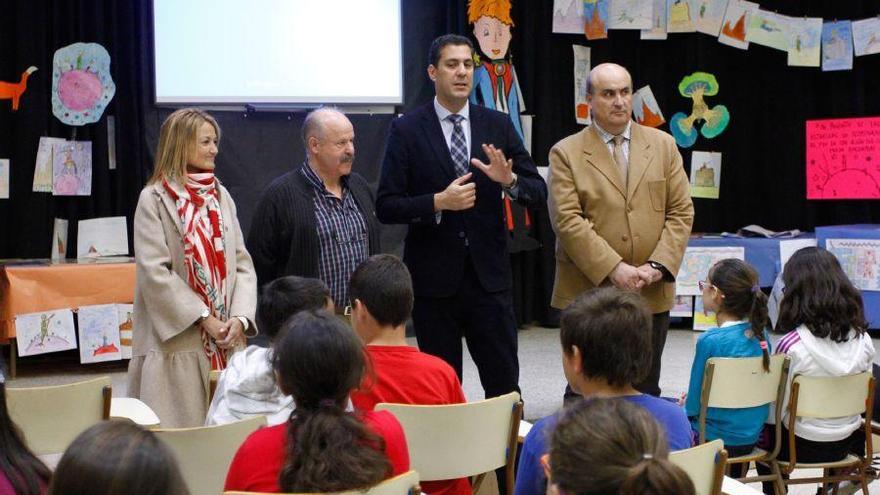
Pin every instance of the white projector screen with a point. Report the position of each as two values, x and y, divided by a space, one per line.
278 51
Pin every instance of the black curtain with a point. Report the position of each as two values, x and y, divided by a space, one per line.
762 178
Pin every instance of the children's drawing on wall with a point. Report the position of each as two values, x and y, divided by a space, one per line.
866 36
41 333
843 158
12 90
837 46
568 16
59 240
581 73
695 266
708 15
126 326
44 164
105 236
629 14
596 19
679 17
769 29
98 334
805 35
682 307
715 119
4 178
860 259
657 31
645 108
81 83
496 87
736 20
72 168
705 174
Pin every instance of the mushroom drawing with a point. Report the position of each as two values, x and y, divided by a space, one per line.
683 127
81 83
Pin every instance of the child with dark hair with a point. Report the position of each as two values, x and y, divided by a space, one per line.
382 299
247 386
322 448
21 472
606 349
732 292
824 317
605 446
117 458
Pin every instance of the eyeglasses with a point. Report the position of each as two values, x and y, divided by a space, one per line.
703 284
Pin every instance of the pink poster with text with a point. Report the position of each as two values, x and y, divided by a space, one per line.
843 158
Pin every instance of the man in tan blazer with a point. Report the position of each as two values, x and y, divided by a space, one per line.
620 206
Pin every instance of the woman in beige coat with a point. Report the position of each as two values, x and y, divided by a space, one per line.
196 288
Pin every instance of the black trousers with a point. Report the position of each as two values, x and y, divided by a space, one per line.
651 384
487 323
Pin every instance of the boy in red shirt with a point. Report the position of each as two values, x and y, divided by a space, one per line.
382 300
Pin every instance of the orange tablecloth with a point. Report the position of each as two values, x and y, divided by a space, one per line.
31 288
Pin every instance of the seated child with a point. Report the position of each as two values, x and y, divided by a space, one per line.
247 386
382 299
605 446
322 448
606 349
732 292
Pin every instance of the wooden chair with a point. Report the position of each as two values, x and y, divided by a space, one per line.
831 397
205 453
704 464
51 417
403 484
135 411
736 383
461 440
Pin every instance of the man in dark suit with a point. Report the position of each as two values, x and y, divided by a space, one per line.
447 164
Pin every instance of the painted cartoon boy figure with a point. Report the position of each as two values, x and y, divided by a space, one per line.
495 84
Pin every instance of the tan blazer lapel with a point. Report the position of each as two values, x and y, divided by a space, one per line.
597 155
639 159
170 205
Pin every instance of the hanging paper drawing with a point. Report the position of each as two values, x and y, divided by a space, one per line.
126 327
629 14
568 16
14 90
4 178
657 31
59 240
596 19
736 20
72 168
705 174
645 108
98 334
708 15
837 46
804 40
703 319
81 83
768 29
40 333
843 158
696 263
581 73
683 127
679 17
859 259
866 36
44 163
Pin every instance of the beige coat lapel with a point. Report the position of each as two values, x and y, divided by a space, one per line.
596 153
639 159
170 205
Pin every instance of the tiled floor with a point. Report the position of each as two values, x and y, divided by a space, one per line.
541 377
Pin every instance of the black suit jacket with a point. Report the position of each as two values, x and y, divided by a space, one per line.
417 165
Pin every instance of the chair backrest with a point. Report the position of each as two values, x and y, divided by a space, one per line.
704 464
459 440
403 484
205 453
742 382
830 397
51 417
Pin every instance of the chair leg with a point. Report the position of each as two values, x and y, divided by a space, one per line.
864 480
778 483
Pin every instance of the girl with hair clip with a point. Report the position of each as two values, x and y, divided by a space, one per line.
731 291
117 458
611 446
21 472
824 317
322 448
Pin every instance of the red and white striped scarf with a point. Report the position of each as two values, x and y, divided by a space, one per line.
198 206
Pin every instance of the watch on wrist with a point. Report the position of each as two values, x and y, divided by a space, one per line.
512 184
204 316
656 266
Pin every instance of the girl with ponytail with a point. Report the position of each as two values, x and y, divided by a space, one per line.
611 446
322 448
732 292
